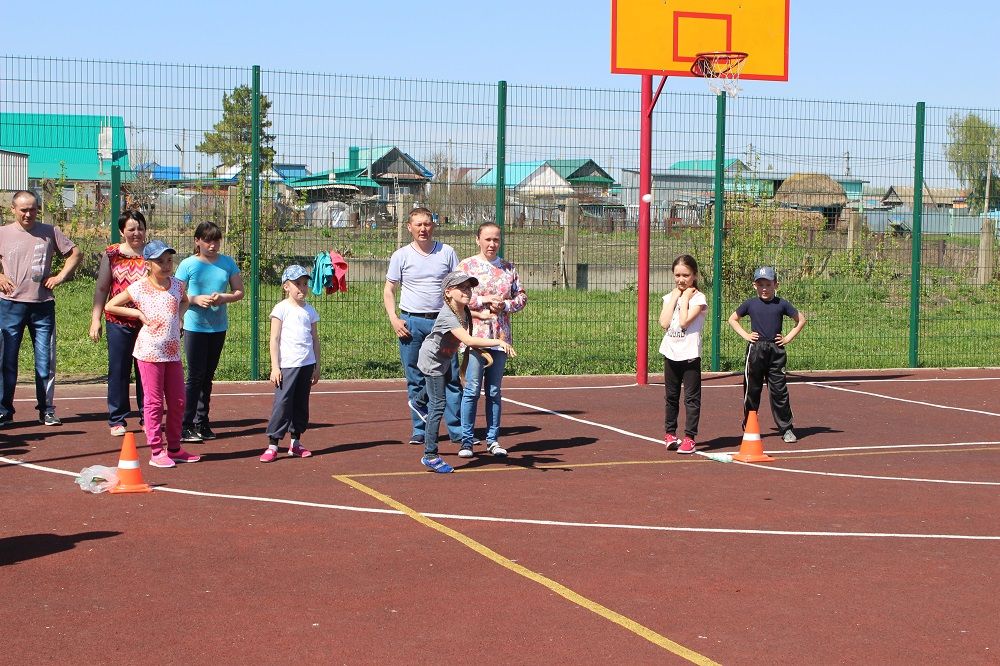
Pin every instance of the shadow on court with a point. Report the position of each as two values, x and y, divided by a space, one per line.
29 546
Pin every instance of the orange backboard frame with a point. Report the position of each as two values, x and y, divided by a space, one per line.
664 36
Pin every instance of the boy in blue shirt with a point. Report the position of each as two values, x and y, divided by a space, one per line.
766 356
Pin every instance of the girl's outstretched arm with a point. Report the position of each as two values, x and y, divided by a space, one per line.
470 341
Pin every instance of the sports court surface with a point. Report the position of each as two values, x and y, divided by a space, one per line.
875 539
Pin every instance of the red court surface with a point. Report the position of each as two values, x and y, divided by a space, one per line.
875 539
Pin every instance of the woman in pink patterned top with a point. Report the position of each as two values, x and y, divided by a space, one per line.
499 294
159 302
121 265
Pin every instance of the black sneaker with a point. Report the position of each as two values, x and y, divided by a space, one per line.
190 435
6 420
204 431
49 419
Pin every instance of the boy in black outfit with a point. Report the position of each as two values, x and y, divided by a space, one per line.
766 357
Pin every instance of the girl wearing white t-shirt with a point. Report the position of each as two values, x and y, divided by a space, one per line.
682 317
294 347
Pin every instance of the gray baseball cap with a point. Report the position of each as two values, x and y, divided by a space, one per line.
456 278
764 273
293 272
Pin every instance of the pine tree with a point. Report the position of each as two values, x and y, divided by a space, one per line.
230 138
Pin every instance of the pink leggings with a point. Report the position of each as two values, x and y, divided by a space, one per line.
159 381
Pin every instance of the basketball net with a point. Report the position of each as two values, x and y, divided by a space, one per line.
722 69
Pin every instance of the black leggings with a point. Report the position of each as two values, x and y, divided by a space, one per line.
687 373
203 351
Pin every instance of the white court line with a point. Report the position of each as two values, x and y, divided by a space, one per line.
824 384
874 447
906 400
772 468
246 394
584 421
529 521
872 380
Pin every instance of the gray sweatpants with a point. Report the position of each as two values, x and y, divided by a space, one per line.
291 402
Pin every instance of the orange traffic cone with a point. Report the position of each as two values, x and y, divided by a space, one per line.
129 474
751 448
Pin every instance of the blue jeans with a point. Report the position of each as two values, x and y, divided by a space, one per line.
474 375
409 351
436 388
40 318
121 344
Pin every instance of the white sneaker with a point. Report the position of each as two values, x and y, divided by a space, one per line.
495 449
465 453
789 437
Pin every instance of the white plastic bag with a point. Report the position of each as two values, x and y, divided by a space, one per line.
97 479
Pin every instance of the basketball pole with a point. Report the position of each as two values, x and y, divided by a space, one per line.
647 103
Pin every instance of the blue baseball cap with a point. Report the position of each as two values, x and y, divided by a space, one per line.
155 248
293 272
764 273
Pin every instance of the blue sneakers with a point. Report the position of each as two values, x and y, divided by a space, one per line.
435 464
420 411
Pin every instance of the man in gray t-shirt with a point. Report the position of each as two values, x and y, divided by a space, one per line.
26 251
416 270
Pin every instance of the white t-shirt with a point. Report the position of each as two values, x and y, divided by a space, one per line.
684 344
295 344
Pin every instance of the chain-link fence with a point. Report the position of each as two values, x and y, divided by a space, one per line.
836 195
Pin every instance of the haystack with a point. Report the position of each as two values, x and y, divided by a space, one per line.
811 190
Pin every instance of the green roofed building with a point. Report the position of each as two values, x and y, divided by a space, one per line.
86 146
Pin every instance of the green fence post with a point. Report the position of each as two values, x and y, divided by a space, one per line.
116 202
501 159
915 236
255 229
719 217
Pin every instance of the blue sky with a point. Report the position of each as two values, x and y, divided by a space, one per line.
888 52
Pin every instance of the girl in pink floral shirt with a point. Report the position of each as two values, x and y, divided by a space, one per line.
160 301
499 294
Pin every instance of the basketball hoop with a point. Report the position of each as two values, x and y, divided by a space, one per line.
722 69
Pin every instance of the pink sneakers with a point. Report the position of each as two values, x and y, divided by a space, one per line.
161 459
269 455
687 446
182 456
670 440
300 451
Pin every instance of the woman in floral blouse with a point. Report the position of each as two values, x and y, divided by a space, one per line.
500 294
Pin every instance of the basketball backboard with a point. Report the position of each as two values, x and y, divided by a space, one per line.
664 36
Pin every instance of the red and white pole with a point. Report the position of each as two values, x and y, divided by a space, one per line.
645 187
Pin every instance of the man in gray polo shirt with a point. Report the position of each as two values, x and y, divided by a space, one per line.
26 300
416 270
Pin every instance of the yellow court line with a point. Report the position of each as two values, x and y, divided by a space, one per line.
802 455
558 588
531 468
